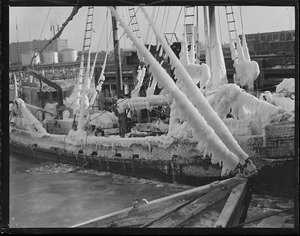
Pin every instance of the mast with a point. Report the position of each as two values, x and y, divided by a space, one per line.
117 56
122 118
18 50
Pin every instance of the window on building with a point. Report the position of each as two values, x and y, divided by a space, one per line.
46 96
269 37
105 89
113 89
256 37
288 36
275 36
262 37
54 95
282 37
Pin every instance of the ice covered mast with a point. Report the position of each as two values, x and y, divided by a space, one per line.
203 132
217 62
199 101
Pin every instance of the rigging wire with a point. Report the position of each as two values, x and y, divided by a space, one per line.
241 19
152 32
45 22
124 18
263 217
220 25
73 13
149 28
168 13
176 24
124 99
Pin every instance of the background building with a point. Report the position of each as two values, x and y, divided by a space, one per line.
17 49
278 43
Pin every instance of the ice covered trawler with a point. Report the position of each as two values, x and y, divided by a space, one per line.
199 144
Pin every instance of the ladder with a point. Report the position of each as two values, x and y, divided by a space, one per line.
232 31
189 22
86 46
88 30
134 23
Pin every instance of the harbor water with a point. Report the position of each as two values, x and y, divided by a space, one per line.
58 195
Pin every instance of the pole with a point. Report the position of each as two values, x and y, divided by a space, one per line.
121 116
117 57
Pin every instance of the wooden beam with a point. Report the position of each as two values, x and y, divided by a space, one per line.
192 193
179 217
231 206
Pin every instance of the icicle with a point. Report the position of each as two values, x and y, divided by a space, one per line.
150 89
192 50
204 132
87 72
200 101
207 42
16 86
160 52
218 69
140 77
241 55
246 71
245 48
183 56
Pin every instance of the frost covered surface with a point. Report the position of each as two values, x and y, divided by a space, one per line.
246 71
284 95
137 103
24 119
232 99
286 86
208 140
217 62
104 119
151 88
139 78
198 72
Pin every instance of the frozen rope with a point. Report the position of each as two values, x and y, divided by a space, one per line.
263 217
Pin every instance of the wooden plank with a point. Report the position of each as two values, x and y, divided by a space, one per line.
167 213
182 215
143 217
231 205
188 194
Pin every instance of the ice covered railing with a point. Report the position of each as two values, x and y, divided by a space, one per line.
208 140
241 105
23 118
137 103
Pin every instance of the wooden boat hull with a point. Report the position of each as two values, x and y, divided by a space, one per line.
219 204
163 164
194 171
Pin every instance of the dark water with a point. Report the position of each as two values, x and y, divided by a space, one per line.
57 195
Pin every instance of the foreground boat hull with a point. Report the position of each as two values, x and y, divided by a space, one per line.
219 204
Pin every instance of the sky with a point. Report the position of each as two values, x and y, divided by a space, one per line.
34 23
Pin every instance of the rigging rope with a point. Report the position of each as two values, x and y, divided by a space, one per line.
149 28
45 22
220 25
176 24
136 90
151 34
241 19
263 217
73 13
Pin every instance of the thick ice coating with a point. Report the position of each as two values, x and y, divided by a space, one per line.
204 133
